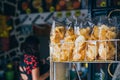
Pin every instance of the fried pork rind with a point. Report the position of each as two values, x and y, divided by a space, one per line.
94 33
106 33
68 45
92 44
103 47
61 31
85 32
66 52
79 50
84 44
56 52
91 51
106 50
57 34
80 44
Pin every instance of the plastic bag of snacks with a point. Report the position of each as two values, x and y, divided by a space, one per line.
82 32
91 45
84 40
106 35
56 36
68 43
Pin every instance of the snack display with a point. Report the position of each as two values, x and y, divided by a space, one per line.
90 43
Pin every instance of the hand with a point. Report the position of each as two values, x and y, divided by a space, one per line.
43 61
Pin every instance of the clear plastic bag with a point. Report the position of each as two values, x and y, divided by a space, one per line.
56 36
82 33
85 40
68 42
107 33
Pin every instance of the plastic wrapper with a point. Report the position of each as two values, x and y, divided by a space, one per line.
82 33
57 33
85 40
91 50
107 33
56 36
68 44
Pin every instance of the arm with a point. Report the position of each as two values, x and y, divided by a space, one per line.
44 76
22 74
36 76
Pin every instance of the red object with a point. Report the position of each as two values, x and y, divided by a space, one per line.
31 62
76 4
58 8
62 3
24 5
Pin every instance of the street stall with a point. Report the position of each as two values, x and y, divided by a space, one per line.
79 38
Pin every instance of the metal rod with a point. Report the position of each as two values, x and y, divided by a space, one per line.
76 71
